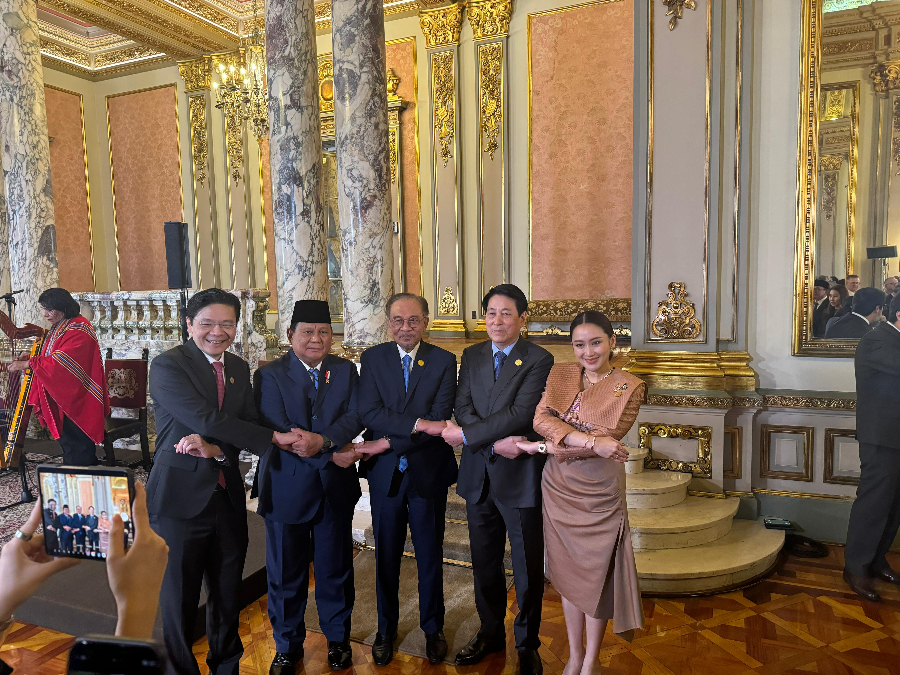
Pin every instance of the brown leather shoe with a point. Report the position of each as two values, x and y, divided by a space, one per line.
889 575
862 586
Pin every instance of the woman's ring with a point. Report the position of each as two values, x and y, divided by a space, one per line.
23 536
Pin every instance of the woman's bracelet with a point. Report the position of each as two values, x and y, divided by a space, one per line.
593 440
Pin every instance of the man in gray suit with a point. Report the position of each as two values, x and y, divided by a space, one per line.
500 385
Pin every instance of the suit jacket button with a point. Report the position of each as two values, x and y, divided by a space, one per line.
315 417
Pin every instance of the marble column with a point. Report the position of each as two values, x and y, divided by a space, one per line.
295 151
364 179
26 158
4 247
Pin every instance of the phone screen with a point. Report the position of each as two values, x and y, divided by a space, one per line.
102 655
78 505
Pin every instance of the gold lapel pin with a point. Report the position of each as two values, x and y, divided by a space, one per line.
231 379
420 362
518 362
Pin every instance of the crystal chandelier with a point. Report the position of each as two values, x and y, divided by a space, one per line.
241 91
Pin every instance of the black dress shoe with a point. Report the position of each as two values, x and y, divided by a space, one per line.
383 649
862 586
530 662
339 655
284 662
889 575
477 649
436 646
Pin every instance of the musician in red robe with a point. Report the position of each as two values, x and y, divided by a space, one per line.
68 392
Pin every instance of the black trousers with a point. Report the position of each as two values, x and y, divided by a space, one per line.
489 524
425 516
330 535
78 449
875 515
210 548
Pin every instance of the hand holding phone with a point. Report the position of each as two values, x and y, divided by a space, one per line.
25 565
136 574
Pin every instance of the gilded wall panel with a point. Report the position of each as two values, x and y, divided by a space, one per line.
581 124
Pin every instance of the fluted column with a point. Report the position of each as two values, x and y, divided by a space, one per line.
295 151
364 197
26 158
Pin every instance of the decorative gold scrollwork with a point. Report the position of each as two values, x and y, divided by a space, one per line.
829 194
675 318
489 18
676 10
234 146
616 309
442 95
830 162
442 25
196 74
885 76
199 149
448 306
490 63
703 435
392 146
895 137
393 81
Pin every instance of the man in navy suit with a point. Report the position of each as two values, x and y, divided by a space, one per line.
67 531
407 390
79 521
309 494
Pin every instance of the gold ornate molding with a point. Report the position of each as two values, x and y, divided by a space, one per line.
675 317
443 94
441 25
809 402
885 76
66 53
895 135
702 467
489 18
326 84
199 148
847 47
615 309
739 376
490 65
448 306
830 163
392 151
196 73
689 401
699 371
829 194
676 10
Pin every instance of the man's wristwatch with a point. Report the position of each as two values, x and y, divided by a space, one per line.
327 443
542 448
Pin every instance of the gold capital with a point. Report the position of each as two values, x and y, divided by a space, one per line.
489 18
441 25
196 74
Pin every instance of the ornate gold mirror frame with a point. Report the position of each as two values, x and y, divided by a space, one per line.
803 343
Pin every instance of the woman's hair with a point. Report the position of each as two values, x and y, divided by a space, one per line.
61 300
842 291
104 513
595 318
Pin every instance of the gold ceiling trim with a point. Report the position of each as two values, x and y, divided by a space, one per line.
78 41
65 53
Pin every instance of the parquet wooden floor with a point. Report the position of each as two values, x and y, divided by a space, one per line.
801 620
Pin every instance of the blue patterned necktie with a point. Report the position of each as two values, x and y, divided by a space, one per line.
314 374
407 363
499 360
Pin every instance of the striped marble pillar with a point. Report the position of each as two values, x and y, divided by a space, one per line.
364 178
295 152
26 158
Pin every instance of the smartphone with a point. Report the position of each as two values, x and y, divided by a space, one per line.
106 655
78 504
778 524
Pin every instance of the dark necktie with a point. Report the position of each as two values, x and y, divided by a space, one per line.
219 367
499 360
314 374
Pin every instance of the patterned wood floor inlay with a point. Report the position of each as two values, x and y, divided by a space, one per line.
801 620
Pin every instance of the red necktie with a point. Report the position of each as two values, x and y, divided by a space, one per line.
220 390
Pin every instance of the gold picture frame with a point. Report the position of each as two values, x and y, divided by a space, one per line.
702 468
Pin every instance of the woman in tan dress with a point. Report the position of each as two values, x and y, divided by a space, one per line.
104 525
586 409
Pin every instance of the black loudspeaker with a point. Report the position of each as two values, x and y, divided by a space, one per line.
178 252
881 252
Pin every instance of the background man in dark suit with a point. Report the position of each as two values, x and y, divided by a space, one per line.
309 496
91 521
79 522
867 305
407 388
875 516
205 414
51 525
500 385
820 311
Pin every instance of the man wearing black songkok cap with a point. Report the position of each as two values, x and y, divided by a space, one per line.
310 493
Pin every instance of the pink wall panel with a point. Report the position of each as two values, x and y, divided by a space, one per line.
581 152
143 139
70 190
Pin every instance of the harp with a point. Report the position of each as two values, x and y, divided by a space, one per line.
14 389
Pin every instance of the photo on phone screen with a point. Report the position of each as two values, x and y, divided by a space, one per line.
78 505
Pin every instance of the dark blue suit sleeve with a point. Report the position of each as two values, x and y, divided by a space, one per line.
348 426
441 407
272 412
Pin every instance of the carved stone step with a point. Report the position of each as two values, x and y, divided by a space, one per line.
654 489
695 521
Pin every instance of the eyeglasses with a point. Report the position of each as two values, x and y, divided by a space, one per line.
413 322
224 325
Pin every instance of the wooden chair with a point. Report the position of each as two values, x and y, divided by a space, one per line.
126 380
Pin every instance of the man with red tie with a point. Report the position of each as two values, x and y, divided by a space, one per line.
205 415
